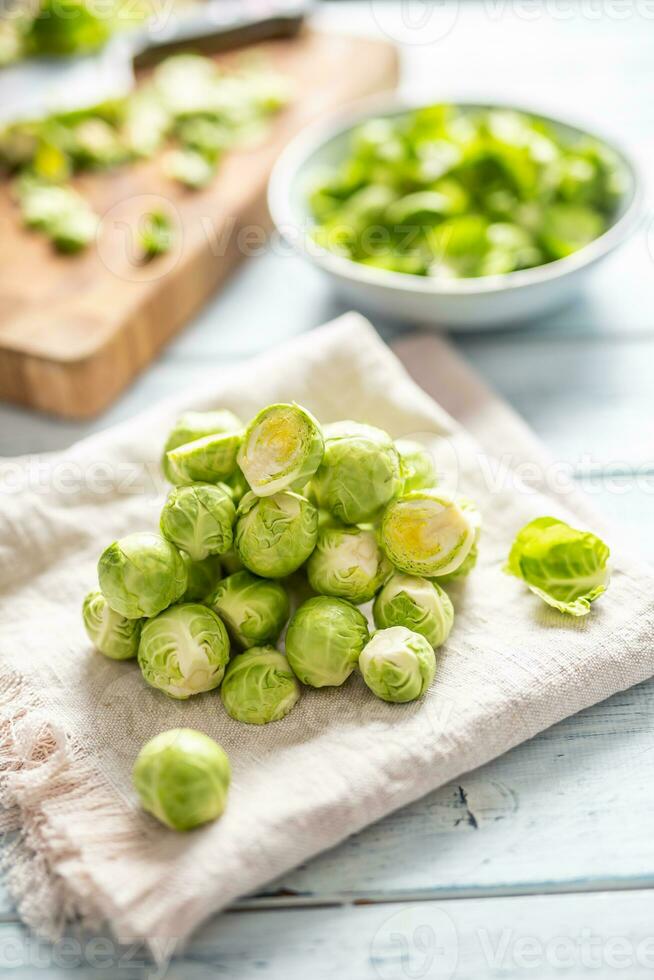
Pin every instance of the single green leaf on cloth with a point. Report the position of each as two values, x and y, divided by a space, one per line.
567 568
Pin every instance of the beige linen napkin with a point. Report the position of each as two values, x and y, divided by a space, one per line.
72 722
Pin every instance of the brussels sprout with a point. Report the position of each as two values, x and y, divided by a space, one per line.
199 519
567 568
416 603
207 460
275 535
417 464
202 577
348 562
426 533
359 474
398 664
182 778
195 425
259 686
141 574
324 640
113 634
470 509
184 650
231 562
253 609
281 450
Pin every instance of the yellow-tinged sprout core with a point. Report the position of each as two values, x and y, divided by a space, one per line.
428 535
274 444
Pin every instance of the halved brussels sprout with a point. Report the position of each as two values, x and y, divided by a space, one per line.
195 425
418 604
281 450
359 474
426 533
417 464
398 664
253 609
202 577
184 650
113 635
182 778
211 459
324 640
259 686
141 574
199 519
275 535
472 511
348 562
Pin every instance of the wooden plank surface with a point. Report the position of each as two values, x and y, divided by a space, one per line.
89 323
572 809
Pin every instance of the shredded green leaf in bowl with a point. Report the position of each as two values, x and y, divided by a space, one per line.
459 192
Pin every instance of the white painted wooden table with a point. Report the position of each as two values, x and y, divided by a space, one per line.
542 863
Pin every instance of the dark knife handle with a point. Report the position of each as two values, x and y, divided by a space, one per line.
201 33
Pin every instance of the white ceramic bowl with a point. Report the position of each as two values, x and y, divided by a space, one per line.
489 301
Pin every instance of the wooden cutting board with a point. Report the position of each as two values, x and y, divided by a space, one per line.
74 331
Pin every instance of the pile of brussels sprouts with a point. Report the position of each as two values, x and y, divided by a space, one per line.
341 514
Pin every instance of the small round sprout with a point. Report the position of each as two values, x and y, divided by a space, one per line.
141 574
184 651
253 609
182 778
281 450
426 533
397 664
348 563
195 425
275 535
418 467
199 519
418 604
324 641
202 577
359 474
259 686
112 634
207 460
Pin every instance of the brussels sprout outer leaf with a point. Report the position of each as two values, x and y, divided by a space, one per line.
565 567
